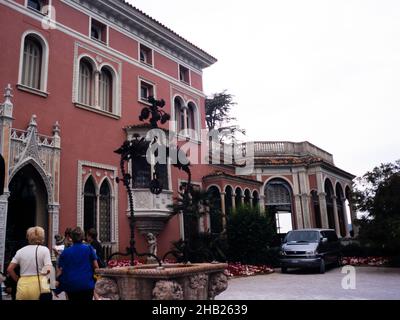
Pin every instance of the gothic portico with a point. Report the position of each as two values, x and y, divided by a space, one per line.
31 183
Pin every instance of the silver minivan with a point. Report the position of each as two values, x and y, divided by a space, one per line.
310 248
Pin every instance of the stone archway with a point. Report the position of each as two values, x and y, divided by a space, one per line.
27 207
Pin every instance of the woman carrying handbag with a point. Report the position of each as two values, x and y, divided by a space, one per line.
43 282
31 259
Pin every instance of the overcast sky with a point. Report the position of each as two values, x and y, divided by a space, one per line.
326 71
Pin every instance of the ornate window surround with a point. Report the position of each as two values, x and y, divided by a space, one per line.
99 60
186 99
44 64
83 176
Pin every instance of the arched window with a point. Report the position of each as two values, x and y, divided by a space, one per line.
185 117
215 210
238 197
341 209
228 199
86 84
256 199
90 212
316 209
329 203
247 197
105 90
179 115
105 213
278 197
32 63
191 116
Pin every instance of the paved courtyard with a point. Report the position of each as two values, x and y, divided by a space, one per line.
371 283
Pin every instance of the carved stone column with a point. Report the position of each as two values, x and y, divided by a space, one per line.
233 201
336 216
54 222
3 224
6 119
305 202
323 209
223 210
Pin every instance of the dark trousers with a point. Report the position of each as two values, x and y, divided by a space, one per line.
86 295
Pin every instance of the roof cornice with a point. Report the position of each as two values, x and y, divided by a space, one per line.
131 19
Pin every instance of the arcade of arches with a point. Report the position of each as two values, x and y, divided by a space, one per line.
327 209
225 202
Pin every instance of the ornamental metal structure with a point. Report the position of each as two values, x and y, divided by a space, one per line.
138 148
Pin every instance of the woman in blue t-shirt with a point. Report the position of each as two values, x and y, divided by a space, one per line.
76 268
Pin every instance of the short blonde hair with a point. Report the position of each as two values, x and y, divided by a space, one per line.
35 235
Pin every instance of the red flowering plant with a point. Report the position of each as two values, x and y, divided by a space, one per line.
122 263
365 261
244 270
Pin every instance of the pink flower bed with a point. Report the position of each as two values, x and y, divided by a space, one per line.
244 270
366 261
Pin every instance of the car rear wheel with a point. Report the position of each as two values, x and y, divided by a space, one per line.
284 269
322 266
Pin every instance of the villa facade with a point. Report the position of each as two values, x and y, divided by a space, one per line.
77 73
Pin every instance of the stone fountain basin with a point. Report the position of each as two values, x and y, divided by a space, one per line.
197 281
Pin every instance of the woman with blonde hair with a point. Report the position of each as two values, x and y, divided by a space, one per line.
32 260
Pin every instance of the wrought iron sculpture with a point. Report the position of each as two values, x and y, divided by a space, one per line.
137 148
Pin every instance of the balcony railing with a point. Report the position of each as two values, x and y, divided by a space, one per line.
268 149
285 148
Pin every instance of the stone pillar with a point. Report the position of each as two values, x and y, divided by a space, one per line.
305 201
3 224
233 201
6 119
261 203
185 122
323 209
346 221
96 89
299 212
322 199
223 210
251 202
336 216
305 192
54 226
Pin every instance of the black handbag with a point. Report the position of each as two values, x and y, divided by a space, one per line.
45 296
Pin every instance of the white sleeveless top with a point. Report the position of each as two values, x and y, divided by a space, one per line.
25 258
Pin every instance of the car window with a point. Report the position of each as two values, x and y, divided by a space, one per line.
302 236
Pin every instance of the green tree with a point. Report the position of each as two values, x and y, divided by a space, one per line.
378 195
249 235
218 115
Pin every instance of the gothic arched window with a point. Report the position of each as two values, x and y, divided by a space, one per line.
105 213
90 212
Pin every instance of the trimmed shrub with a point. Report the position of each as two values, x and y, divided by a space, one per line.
249 236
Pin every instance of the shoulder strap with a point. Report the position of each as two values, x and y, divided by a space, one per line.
37 269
